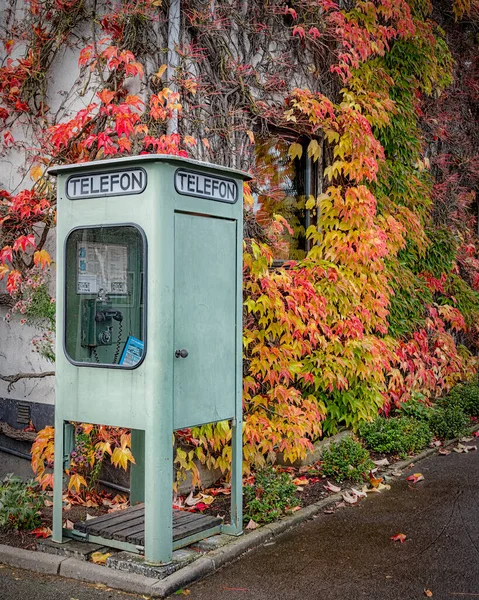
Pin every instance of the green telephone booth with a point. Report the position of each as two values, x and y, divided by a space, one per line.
149 321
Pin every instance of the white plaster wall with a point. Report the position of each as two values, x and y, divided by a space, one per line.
16 349
16 355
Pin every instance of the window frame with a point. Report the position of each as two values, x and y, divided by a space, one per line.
144 294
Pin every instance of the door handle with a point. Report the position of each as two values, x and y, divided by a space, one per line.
181 353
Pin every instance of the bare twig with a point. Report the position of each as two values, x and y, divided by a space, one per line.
13 379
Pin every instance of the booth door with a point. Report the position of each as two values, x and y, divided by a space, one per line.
205 312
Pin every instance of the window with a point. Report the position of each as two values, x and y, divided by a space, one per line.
283 189
104 296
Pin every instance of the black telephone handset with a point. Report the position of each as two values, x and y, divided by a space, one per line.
105 316
97 324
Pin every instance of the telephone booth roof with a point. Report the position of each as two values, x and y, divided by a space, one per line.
146 158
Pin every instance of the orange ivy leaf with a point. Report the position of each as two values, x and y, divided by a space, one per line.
42 258
106 96
3 271
13 281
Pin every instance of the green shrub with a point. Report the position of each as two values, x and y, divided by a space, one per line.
465 396
269 497
347 459
20 503
449 422
396 435
415 408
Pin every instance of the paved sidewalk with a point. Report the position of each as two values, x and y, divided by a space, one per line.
349 554
345 555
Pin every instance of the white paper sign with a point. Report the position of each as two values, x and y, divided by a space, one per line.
102 266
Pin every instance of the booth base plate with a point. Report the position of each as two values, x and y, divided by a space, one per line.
128 526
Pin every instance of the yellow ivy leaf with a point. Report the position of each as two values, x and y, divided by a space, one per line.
36 172
76 481
161 70
104 447
314 150
98 558
295 150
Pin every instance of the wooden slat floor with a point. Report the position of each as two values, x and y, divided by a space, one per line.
129 525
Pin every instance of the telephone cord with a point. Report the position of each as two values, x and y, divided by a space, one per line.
118 343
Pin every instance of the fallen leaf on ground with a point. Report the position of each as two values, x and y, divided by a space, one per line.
466 439
301 481
331 488
396 473
444 452
68 524
328 511
428 593
215 491
192 500
381 463
295 509
350 499
464 449
399 537
207 499
476 433
374 481
415 478
182 593
340 505
436 444
42 532
358 493
252 525
383 486
48 503
98 558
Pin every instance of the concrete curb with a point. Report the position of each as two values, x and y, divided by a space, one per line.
91 573
161 588
30 560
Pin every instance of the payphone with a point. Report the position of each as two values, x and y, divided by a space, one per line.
149 322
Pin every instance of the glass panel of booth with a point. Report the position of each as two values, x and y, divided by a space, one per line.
104 299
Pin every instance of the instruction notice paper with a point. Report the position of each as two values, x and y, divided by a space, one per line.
102 266
133 352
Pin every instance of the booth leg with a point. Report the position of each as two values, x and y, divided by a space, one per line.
236 527
58 467
137 477
158 497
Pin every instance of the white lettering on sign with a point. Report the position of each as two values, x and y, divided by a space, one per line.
114 183
211 187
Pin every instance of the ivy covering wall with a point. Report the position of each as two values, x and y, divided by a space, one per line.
381 97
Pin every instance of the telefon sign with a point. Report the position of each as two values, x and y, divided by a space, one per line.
113 183
201 185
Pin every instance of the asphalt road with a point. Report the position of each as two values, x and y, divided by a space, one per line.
16 584
349 555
